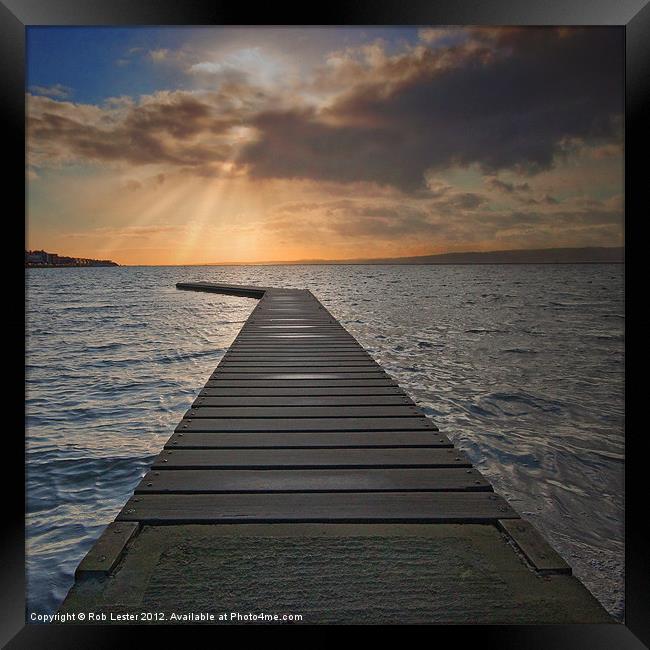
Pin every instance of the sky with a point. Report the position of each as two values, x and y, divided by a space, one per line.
233 145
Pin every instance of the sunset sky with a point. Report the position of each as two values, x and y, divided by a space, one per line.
192 145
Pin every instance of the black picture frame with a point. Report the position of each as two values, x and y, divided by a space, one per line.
632 15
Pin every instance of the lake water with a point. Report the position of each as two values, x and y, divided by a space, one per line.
522 367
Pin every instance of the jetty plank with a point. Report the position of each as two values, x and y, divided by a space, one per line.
217 389
260 360
312 480
450 507
536 549
203 411
306 424
297 401
298 373
306 458
363 371
359 382
300 440
106 552
284 357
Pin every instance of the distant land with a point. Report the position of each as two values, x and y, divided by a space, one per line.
42 259
588 255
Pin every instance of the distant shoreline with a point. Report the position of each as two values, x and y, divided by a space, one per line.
217 264
72 266
585 255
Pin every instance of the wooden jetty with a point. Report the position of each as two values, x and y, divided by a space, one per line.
304 480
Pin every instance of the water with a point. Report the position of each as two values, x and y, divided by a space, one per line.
521 366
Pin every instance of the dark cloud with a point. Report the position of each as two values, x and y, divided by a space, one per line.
510 102
163 130
508 188
461 201
296 144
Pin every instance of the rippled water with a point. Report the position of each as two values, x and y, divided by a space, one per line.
521 366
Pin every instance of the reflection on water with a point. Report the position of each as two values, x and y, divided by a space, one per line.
521 366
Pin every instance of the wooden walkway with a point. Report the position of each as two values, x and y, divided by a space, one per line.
299 424
300 433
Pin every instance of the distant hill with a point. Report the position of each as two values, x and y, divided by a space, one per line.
590 255
530 256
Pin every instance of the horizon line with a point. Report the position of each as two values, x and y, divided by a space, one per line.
413 260
388 261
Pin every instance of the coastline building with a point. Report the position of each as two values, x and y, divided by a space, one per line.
43 258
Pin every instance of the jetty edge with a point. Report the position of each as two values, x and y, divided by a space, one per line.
305 485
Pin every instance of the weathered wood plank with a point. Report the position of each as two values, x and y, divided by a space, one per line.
299 332
261 328
287 357
451 507
309 458
298 383
312 480
391 411
282 361
298 338
305 312
337 365
231 363
287 375
296 401
303 346
264 326
302 440
306 343
306 424
216 389
324 331
536 549
102 558
291 372
299 364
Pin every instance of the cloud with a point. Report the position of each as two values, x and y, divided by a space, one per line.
58 91
132 185
505 99
387 219
159 55
461 201
174 128
128 232
508 188
442 35
521 192
345 221
250 66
